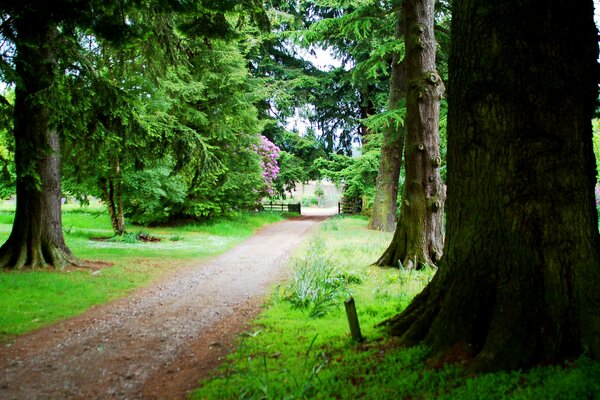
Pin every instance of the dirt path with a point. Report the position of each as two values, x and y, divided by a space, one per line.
156 343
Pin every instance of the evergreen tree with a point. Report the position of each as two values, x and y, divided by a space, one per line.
518 282
419 236
383 214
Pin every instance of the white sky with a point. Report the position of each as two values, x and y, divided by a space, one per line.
322 59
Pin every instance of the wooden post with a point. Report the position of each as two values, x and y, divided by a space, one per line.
353 319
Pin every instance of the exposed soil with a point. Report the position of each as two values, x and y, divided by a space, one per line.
156 343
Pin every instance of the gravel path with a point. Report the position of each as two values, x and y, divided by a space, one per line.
156 343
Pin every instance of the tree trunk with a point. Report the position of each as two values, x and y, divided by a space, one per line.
36 239
520 277
111 189
419 235
367 108
383 215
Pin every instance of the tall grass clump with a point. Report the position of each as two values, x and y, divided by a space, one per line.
316 285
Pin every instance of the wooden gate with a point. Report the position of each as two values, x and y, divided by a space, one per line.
350 206
282 207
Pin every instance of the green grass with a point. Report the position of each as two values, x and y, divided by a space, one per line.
34 299
289 355
31 299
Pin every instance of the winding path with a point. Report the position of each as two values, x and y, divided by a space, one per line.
156 343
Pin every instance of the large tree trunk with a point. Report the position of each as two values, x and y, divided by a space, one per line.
520 277
36 239
383 215
419 235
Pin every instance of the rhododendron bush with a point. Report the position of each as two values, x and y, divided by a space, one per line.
269 153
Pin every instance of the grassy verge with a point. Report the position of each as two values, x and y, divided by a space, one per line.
32 299
300 346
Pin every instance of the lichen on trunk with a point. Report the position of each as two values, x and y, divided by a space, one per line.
419 236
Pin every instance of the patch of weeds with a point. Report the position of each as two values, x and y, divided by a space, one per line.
176 238
305 386
316 285
331 224
130 238
351 277
126 237
302 382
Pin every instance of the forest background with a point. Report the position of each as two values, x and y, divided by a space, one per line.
196 112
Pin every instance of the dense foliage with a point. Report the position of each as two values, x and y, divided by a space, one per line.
161 119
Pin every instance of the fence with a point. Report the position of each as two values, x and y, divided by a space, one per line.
282 207
350 206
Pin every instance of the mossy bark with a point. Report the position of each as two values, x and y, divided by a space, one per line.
383 215
418 239
36 239
518 283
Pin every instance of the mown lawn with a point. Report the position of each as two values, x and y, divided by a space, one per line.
289 354
32 299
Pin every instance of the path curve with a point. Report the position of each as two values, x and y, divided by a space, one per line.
155 343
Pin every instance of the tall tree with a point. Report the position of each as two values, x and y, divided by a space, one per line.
36 238
383 215
419 233
518 283
361 36
42 35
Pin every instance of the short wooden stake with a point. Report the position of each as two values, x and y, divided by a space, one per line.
353 319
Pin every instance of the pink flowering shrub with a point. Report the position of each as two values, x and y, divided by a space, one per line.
269 153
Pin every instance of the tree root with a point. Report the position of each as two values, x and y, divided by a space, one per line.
39 256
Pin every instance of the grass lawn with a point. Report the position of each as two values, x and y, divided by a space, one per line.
289 354
31 299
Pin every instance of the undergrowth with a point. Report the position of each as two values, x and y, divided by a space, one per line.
316 285
294 353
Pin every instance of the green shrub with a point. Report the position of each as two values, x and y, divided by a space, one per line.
151 195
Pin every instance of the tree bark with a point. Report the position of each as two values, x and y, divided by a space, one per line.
383 215
519 280
419 235
111 188
36 239
367 108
